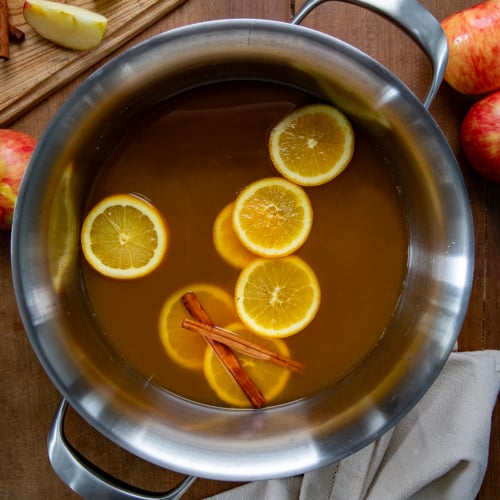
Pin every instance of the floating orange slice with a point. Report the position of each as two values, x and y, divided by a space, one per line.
312 145
124 237
272 217
226 242
277 297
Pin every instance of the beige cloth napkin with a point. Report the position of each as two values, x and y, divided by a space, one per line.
438 451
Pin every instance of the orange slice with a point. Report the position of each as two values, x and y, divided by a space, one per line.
226 242
272 217
268 377
184 347
312 145
277 297
124 237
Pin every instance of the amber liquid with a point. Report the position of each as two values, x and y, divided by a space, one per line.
190 159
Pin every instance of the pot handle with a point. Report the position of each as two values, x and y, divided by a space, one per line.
415 20
88 480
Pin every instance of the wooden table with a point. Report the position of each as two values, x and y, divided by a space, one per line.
28 399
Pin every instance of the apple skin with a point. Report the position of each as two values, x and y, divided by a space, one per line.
480 136
473 37
15 151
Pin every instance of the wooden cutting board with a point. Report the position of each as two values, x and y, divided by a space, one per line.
38 67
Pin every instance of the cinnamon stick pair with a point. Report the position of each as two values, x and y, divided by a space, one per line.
224 353
244 346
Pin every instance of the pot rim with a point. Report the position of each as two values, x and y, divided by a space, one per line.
264 450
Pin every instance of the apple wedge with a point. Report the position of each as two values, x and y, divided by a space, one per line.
67 25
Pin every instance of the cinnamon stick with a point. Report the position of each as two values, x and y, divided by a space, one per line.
4 30
224 353
242 345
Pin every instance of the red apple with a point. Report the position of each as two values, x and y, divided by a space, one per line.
473 38
480 136
15 151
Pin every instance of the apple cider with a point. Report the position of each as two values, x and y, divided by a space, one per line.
190 159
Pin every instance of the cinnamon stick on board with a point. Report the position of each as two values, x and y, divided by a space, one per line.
224 353
4 30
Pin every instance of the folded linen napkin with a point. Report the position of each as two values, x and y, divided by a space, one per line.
438 451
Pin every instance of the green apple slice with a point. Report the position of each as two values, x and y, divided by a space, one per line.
67 25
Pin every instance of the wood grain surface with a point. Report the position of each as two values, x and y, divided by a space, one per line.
38 67
28 399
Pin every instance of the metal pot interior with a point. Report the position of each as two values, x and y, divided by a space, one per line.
240 444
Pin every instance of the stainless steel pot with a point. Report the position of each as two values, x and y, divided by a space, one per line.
242 444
